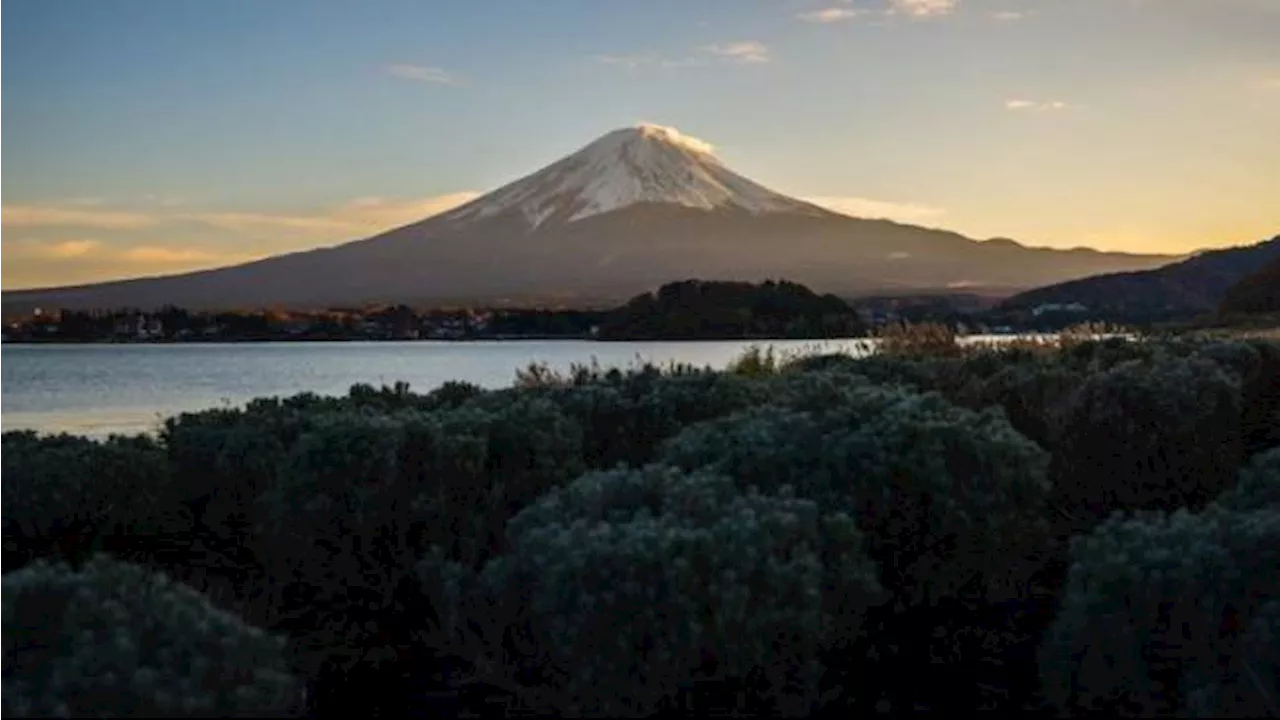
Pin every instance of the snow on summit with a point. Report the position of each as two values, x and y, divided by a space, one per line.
642 164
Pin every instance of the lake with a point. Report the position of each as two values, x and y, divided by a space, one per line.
102 389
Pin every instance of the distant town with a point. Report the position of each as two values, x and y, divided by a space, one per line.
380 323
401 323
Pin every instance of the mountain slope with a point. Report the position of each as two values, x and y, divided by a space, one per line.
635 209
1256 293
1193 286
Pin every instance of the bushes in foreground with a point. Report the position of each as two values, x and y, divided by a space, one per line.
626 542
1169 614
70 496
639 584
110 639
948 498
1162 435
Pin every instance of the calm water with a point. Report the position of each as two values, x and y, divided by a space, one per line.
100 389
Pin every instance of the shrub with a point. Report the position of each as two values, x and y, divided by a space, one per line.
64 495
1032 395
1257 364
626 416
452 394
111 640
1149 436
333 535
476 467
945 495
756 362
923 339
1101 355
1259 486
227 458
361 496
639 583
1159 614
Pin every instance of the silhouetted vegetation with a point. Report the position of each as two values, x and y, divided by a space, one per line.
1074 525
1177 292
1258 292
686 310
696 309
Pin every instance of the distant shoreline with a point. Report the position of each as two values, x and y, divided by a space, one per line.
484 338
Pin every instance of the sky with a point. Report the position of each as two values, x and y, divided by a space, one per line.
149 137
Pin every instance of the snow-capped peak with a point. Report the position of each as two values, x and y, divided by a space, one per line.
643 164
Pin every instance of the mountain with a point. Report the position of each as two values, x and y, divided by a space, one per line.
632 210
1183 289
1258 292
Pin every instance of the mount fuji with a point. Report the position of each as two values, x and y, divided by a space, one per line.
636 208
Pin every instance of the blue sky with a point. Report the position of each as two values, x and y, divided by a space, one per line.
148 137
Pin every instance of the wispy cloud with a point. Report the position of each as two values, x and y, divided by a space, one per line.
830 14
914 9
77 216
31 262
923 8
1025 105
357 218
860 207
423 74
633 62
1009 15
743 51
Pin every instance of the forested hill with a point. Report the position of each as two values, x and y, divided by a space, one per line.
1184 289
695 309
1256 293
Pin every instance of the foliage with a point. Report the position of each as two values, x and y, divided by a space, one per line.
626 416
110 639
1259 486
1165 434
638 583
1033 396
756 362
946 496
695 309
443 552
921 339
1160 613
476 467
64 495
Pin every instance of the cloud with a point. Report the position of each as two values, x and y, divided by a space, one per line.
161 255
42 262
424 74
1009 15
1270 83
82 216
52 249
830 14
633 62
33 262
358 218
744 51
1024 105
860 207
923 8
673 135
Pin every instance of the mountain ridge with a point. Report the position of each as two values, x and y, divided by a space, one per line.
1195 285
632 210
